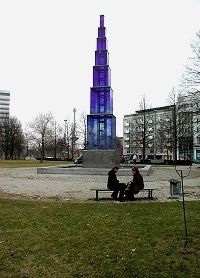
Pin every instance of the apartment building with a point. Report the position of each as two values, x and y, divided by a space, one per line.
166 132
4 103
188 107
196 138
149 131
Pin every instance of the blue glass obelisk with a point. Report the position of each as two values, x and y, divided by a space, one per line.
101 123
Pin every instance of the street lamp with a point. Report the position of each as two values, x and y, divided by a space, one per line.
73 133
66 139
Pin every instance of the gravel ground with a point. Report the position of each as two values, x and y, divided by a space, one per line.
26 183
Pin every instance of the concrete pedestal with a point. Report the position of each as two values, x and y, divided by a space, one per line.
100 159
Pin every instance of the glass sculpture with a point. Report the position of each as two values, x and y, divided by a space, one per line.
101 123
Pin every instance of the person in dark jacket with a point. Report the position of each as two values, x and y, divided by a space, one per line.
136 184
115 185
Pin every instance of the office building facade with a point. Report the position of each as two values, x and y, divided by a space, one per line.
188 128
4 103
149 132
168 132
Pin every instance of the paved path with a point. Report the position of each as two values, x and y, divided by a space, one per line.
26 183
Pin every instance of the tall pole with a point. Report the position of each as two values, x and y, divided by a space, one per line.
55 141
154 140
175 132
174 114
73 133
26 136
65 138
180 173
74 110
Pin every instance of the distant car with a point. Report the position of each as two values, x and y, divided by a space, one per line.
29 158
79 159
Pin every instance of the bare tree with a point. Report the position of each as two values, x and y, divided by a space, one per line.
17 139
164 132
189 101
55 144
190 81
40 131
5 137
142 135
82 131
185 127
11 138
67 137
174 123
58 140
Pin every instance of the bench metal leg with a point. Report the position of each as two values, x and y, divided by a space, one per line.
150 194
97 197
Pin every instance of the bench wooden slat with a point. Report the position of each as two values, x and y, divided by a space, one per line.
150 192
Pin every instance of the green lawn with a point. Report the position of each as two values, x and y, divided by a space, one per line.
30 163
57 239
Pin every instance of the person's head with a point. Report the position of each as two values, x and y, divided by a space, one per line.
115 168
135 169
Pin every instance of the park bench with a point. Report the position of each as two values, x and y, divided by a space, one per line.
102 190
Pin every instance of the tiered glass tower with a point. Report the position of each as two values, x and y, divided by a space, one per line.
101 123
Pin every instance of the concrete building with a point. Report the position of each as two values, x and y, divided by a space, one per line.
151 129
188 107
165 132
196 138
4 103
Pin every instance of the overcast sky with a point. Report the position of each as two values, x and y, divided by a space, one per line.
47 53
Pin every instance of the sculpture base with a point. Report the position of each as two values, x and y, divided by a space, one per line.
101 159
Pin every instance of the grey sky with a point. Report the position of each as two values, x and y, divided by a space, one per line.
47 52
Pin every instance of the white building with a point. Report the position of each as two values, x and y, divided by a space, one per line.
156 126
4 103
169 131
190 104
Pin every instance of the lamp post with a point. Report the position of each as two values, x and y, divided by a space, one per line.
66 139
73 133
55 140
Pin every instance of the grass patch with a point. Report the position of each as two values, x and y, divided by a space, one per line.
30 163
50 239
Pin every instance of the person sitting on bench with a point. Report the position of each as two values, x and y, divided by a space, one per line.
135 185
115 185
